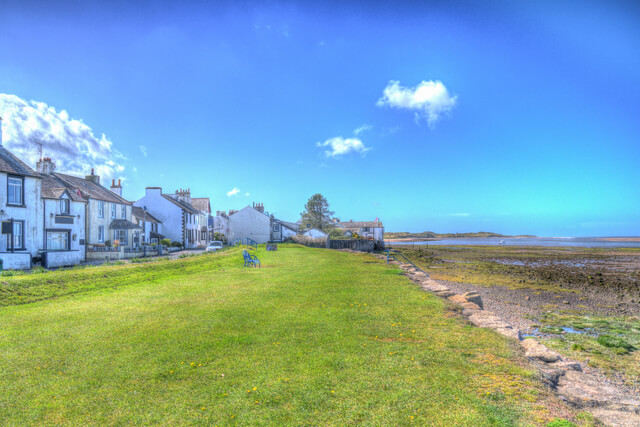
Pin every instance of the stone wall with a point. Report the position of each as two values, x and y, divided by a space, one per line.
16 261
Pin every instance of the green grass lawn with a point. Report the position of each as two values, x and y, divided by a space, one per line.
313 337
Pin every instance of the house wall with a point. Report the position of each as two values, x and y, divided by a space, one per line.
76 230
93 221
315 233
31 214
63 258
287 233
165 211
250 223
221 225
16 261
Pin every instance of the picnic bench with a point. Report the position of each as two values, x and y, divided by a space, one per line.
250 260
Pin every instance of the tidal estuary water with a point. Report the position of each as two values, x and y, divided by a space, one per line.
579 242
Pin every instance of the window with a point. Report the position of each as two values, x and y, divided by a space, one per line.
18 234
154 227
100 209
58 240
15 190
64 206
124 211
113 210
203 235
121 236
101 233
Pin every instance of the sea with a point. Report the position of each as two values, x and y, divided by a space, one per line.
579 242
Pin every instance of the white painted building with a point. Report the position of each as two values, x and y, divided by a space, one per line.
373 230
180 220
63 219
20 211
205 230
221 224
151 227
253 223
315 233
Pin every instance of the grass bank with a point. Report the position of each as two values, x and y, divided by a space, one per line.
313 337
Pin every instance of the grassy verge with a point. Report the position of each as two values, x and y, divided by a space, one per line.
313 337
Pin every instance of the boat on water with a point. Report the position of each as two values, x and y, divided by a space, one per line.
501 242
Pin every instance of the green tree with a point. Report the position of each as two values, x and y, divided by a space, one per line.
317 214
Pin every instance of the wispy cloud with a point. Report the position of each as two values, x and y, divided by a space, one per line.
143 150
365 127
233 192
429 99
339 146
69 142
460 214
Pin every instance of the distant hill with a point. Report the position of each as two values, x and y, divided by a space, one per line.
432 235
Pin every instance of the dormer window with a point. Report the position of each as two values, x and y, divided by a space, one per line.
64 206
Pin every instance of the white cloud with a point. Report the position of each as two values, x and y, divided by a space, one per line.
339 146
247 193
365 127
430 99
69 142
460 214
233 192
143 150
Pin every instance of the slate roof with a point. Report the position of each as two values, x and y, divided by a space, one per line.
13 165
182 205
54 187
123 224
138 212
90 189
360 224
201 203
290 225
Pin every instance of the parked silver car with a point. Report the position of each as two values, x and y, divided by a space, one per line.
214 246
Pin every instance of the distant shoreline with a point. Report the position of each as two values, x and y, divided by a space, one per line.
435 239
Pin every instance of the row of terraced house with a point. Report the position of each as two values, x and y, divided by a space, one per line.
59 219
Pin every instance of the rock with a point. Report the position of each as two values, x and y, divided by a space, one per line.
581 388
566 365
470 306
444 294
487 319
458 299
535 350
510 332
527 298
473 297
617 417
565 302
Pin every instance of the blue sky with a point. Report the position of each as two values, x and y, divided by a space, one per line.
534 128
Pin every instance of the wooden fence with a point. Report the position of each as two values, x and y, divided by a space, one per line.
361 245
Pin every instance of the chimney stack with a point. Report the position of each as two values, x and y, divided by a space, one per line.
116 188
259 207
45 166
93 177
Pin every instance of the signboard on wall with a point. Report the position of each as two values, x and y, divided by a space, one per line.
7 228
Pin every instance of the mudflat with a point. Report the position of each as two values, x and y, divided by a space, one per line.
583 302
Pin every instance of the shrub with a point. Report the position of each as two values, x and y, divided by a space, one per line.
165 242
176 244
558 422
614 342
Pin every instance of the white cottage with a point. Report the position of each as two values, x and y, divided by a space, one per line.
253 223
151 227
63 219
180 220
373 230
20 211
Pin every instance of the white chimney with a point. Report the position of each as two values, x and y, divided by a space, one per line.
45 166
116 188
153 191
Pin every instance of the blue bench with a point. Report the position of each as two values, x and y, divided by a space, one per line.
250 260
